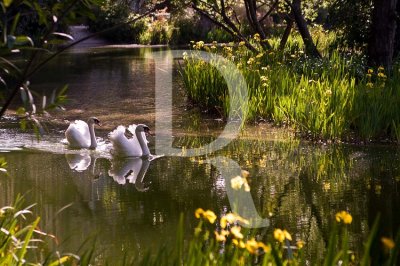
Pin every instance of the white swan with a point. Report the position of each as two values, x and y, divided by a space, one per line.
135 146
81 134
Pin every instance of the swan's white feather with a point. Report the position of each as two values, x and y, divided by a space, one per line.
123 146
78 135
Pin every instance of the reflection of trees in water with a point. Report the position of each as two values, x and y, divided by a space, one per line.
302 186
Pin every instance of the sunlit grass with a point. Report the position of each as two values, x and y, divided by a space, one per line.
334 98
23 243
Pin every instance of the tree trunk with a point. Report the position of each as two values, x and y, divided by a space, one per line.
397 42
286 33
383 32
251 12
311 49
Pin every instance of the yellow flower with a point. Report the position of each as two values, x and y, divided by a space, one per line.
238 243
281 235
235 230
370 71
200 44
259 55
246 186
237 182
256 37
388 242
344 216
228 49
210 216
219 237
264 78
198 212
381 68
224 232
231 218
266 248
382 75
328 92
245 174
252 246
300 244
369 75
228 218
242 43
250 61
287 235
370 85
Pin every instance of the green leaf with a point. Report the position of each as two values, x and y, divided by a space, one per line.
22 40
15 23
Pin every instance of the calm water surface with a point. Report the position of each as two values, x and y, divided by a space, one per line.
135 205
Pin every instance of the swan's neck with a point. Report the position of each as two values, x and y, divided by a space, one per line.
93 142
142 142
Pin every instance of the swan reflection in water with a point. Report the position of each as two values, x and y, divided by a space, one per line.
130 170
78 162
123 170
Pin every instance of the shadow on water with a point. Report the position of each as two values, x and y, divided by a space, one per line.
134 204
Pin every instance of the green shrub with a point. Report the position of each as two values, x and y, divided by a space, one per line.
111 14
159 32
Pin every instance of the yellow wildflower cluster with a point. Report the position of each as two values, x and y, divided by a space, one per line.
207 215
251 245
230 219
344 217
254 246
250 61
382 75
257 37
281 235
241 181
198 45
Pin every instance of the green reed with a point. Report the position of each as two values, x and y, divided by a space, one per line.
336 98
22 242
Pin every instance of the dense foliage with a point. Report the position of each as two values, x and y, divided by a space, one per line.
335 98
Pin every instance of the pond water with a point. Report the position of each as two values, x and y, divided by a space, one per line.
132 205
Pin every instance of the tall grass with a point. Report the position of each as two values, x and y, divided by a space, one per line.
22 242
336 98
215 241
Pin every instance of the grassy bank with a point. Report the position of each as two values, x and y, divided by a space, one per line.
334 98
